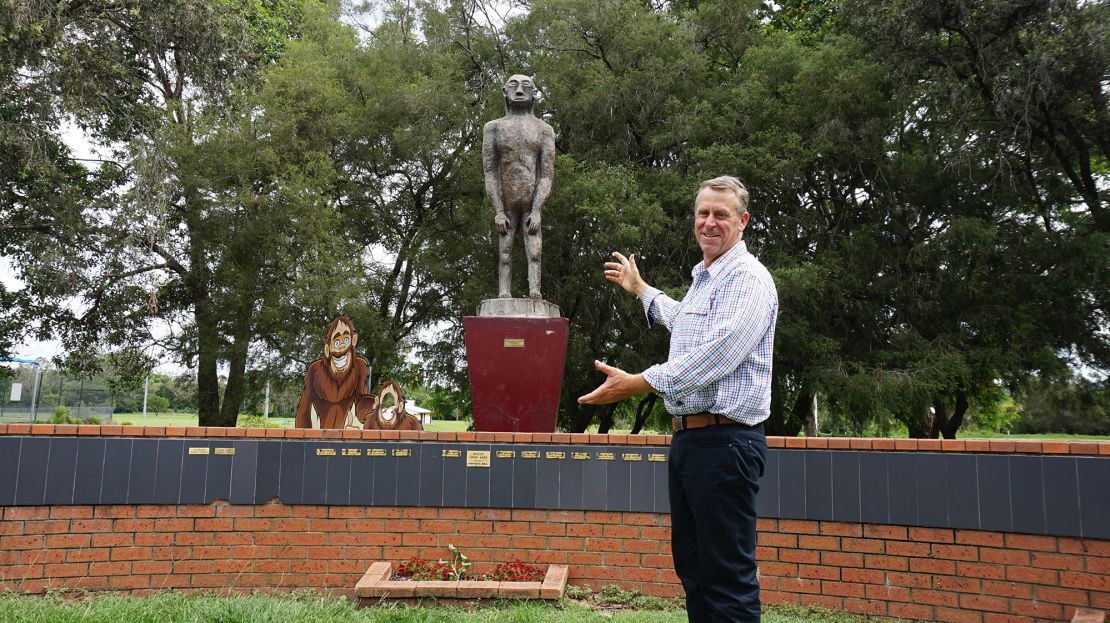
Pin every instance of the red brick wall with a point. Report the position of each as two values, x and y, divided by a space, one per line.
930 574
960 576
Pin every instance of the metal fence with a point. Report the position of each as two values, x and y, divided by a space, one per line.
57 394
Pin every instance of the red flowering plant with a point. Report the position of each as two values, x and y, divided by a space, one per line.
516 571
423 570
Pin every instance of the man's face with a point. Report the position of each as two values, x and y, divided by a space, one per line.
718 223
519 89
340 343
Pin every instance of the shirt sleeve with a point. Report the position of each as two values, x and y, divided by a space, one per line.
738 320
658 307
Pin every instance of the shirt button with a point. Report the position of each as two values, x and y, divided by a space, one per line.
679 402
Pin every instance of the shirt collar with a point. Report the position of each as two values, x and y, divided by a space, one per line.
727 259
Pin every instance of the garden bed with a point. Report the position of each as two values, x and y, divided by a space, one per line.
376 585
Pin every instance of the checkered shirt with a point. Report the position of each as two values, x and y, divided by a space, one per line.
722 333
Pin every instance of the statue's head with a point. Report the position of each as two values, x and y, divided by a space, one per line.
520 93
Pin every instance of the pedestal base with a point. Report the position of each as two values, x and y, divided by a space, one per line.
516 371
518 308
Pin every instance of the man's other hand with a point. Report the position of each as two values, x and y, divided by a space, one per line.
618 385
624 273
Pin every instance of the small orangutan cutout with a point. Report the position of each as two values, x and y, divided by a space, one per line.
335 385
389 410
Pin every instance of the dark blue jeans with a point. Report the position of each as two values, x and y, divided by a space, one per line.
714 477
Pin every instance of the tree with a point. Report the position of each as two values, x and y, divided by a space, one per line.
177 239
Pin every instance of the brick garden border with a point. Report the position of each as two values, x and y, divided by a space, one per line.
375 586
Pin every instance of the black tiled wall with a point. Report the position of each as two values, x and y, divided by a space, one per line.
1057 495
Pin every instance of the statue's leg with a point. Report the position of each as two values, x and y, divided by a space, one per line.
533 249
505 257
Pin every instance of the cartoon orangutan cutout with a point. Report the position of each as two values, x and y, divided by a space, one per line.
389 410
335 385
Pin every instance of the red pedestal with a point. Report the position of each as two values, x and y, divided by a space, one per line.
516 371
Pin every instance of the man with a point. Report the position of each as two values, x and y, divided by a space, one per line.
717 385
518 158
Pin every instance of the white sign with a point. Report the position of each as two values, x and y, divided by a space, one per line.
17 391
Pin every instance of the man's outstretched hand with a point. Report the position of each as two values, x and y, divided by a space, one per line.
618 385
625 274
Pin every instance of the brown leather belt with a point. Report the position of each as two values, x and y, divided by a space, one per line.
699 420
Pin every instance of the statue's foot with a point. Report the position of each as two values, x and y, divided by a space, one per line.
535 294
504 295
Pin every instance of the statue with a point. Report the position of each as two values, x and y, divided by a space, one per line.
518 156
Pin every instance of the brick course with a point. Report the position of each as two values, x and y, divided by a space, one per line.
927 574
933 574
1087 448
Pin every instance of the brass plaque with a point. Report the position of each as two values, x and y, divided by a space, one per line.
225 451
632 456
352 451
657 458
451 454
506 454
325 451
375 452
477 458
514 342
402 452
606 456
204 450
556 455
580 456
529 454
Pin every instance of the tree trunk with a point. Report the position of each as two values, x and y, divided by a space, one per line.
920 425
204 316
781 421
580 420
803 406
953 425
812 429
208 343
606 421
237 365
940 418
643 410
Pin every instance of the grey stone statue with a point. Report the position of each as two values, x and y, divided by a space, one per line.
518 155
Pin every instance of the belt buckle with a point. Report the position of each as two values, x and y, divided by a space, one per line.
679 423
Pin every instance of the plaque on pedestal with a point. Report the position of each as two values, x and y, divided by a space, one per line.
515 365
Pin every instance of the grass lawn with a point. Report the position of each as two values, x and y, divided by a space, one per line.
981 434
447 425
161 419
305 608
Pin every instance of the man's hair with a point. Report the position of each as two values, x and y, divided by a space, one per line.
731 184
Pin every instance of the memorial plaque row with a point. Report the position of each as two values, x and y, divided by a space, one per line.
1029 494
1058 495
70 470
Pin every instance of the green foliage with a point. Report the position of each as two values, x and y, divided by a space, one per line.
61 416
157 404
1075 406
459 564
924 175
256 421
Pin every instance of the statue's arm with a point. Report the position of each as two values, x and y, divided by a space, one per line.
545 173
491 162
